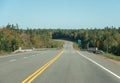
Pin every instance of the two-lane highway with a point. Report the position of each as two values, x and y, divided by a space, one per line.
58 66
15 68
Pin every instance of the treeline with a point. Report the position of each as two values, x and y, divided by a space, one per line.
107 39
11 38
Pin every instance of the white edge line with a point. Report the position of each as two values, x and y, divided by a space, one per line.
12 60
99 65
33 55
25 57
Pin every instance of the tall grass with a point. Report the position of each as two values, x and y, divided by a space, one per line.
76 46
111 56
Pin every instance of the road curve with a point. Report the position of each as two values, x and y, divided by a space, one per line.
71 66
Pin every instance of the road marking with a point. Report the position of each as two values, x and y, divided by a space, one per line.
33 55
99 65
25 57
12 60
30 78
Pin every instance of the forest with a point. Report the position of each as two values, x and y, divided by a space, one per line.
106 39
11 38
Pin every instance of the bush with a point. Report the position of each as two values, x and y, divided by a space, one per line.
55 44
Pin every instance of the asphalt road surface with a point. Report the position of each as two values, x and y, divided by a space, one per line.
58 66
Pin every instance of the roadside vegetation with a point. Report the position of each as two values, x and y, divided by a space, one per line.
111 56
76 46
11 38
57 44
106 39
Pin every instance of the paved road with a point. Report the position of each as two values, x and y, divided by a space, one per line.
71 66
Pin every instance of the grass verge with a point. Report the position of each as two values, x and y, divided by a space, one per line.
111 56
56 44
76 46
2 53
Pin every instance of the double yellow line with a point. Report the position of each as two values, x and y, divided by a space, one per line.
30 78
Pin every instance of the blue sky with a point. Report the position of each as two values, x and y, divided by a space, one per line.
68 14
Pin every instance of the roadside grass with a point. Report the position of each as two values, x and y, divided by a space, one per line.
53 44
111 56
76 46
2 53
108 55
56 44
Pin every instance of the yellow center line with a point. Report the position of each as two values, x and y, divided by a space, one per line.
30 78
